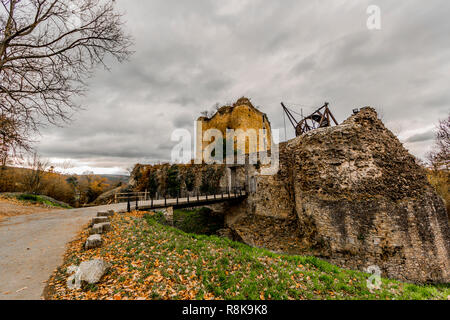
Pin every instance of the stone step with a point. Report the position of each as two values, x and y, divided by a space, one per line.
100 228
93 241
108 213
106 226
97 220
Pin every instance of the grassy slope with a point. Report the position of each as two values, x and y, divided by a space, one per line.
154 261
44 200
31 199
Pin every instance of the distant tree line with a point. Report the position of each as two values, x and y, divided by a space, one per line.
40 178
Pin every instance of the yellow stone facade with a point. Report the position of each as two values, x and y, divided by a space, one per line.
242 117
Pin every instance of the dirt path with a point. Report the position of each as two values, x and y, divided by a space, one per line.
10 208
32 246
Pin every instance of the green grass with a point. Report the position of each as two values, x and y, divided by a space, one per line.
232 270
37 199
198 221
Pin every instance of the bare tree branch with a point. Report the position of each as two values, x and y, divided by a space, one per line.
440 157
48 49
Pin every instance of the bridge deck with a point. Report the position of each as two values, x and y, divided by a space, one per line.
178 203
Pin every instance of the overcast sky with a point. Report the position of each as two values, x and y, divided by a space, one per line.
192 54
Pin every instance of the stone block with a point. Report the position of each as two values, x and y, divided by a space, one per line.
109 213
97 228
106 226
100 228
97 220
168 215
93 241
89 271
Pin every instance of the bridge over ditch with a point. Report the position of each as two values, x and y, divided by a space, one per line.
143 201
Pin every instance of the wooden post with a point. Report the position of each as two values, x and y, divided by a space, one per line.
128 203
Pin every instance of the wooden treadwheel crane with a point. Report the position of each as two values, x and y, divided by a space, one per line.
321 118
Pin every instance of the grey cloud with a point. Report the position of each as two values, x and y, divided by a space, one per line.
305 65
426 136
184 121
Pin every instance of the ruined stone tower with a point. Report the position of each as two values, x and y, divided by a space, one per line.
242 117
353 195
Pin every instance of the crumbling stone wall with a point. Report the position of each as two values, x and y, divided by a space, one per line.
140 175
352 194
242 115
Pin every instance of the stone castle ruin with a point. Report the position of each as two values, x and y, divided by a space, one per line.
243 118
350 194
353 195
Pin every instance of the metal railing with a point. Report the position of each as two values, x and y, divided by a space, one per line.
146 200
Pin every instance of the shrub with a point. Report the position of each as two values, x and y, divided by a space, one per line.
152 183
440 180
211 179
28 197
189 179
173 181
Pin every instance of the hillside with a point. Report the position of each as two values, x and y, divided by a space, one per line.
19 204
153 261
114 179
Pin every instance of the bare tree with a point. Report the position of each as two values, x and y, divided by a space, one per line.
33 177
11 137
440 158
48 49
